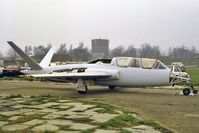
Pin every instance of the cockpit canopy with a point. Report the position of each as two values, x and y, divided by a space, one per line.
145 63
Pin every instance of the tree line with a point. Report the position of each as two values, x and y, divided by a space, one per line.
82 53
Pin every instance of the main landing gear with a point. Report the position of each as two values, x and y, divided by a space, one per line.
111 87
85 90
82 87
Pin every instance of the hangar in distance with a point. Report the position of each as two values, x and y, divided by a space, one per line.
120 72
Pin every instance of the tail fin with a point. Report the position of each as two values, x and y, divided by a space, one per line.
47 59
32 63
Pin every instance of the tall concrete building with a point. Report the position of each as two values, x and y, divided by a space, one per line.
100 48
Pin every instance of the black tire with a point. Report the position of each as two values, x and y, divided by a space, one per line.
195 91
84 92
186 91
111 87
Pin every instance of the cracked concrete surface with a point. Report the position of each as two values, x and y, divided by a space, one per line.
60 116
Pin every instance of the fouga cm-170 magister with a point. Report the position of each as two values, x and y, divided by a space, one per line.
120 72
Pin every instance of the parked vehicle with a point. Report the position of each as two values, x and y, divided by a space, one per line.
11 71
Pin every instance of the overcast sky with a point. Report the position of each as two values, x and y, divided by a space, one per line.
124 22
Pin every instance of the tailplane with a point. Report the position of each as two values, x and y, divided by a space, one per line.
32 63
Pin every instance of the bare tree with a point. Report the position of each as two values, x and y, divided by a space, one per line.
118 51
194 50
62 49
61 54
28 50
41 50
80 53
182 52
11 54
1 55
131 51
147 50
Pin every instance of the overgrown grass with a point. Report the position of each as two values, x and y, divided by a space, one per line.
13 96
194 73
124 120
3 118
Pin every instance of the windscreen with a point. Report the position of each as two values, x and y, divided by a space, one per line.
147 63
124 61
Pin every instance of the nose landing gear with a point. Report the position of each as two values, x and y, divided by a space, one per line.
189 91
186 91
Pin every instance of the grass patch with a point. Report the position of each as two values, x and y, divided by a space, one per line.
35 101
82 120
7 78
124 131
67 128
28 103
17 131
155 126
92 130
44 99
12 96
21 78
60 109
105 111
6 108
127 120
194 73
106 108
124 120
79 111
3 118
49 132
27 118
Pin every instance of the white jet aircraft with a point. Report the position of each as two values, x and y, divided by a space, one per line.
120 72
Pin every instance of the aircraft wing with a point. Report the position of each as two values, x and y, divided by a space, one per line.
90 75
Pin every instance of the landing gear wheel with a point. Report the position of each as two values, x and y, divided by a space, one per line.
186 91
84 92
195 91
111 87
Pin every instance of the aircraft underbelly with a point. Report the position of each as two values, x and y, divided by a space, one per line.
140 77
